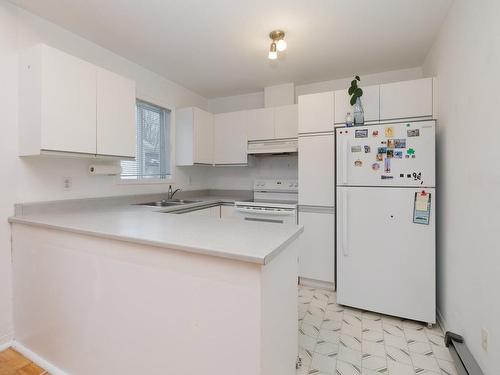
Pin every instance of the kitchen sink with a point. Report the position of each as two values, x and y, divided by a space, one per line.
168 203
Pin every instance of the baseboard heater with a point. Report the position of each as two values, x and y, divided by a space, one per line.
464 361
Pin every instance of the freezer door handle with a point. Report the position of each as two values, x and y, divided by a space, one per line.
344 160
345 245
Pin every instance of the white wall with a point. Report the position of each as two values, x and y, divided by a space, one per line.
34 179
259 167
466 59
236 103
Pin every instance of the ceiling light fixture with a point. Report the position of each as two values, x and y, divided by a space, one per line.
278 43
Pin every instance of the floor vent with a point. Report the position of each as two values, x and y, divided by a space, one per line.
465 362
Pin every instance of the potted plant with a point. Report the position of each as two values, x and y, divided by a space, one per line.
356 93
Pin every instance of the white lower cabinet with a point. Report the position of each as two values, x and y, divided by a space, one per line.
317 245
206 212
226 211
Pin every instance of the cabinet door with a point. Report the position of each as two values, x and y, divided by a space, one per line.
203 136
116 127
406 99
317 170
286 121
206 212
68 103
370 101
226 211
230 140
260 124
316 112
317 246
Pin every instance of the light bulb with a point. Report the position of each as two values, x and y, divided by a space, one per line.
281 45
273 55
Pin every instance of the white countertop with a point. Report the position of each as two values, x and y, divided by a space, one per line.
253 242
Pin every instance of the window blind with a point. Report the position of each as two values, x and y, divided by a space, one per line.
152 153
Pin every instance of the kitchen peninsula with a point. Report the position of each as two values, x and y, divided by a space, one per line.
195 295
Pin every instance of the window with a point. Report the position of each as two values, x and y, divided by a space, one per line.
153 144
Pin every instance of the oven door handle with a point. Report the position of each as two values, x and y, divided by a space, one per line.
252 211
264 220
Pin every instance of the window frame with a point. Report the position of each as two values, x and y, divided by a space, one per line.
170 146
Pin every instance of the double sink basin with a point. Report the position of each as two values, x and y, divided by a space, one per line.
168 203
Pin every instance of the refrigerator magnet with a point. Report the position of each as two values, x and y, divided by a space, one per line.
382 150
410 151
375 166
358 163
387 165
384 177
361 133
398 154
389 132
400 143
413 132
380 157
367 149
375 133
390 154
356 148
390 143
422 208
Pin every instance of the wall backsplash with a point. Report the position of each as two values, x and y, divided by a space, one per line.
276 166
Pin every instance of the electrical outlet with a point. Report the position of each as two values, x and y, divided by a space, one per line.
484 339
67 183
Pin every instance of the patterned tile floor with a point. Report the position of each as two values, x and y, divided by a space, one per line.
338 340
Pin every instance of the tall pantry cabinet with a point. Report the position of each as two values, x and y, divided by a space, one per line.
316 187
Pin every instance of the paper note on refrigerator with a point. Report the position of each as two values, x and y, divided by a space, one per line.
421 202
422 208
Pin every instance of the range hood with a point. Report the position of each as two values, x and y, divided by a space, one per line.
273 147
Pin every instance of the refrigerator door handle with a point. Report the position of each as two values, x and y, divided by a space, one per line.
345 245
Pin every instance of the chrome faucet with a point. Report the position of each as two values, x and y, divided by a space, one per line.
170 194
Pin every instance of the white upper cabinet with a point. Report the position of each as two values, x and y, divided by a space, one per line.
230 140
116 125
286 121
316 112
370 101
260 124
194 136
203 136
406 99
61 103
317 170
57 99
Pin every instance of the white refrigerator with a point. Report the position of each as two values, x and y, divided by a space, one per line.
385 200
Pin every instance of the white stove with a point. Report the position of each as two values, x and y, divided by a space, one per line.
275 201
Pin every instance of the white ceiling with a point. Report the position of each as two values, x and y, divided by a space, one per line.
219 47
